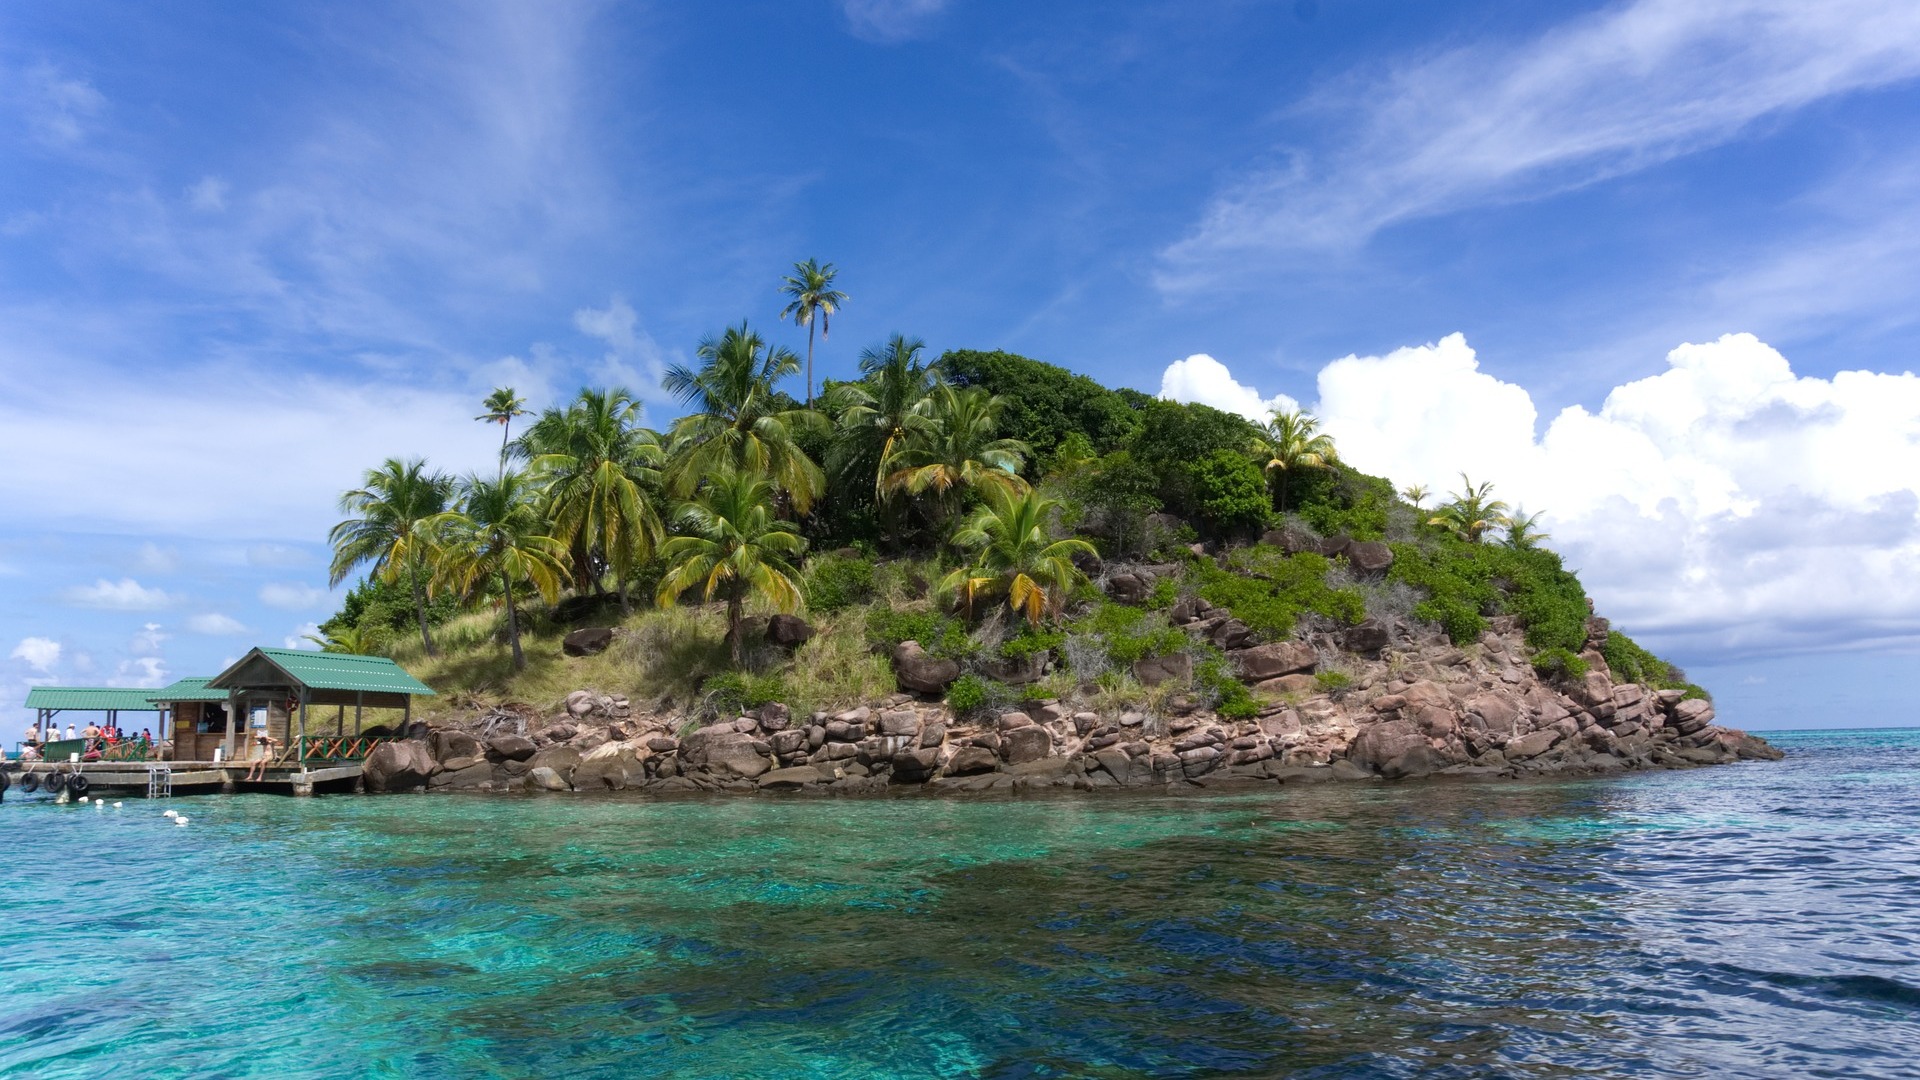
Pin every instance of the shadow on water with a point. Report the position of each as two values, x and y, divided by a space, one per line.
1680 924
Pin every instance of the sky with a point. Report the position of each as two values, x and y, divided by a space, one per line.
1649 267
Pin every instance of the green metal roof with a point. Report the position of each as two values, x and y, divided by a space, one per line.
90 698
336 671
187 690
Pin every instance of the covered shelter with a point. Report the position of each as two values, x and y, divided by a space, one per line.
199 716
48 702
275 692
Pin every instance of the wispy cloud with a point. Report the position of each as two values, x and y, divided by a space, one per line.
39 653
59 108
291 596
888 21
214 624
1617 91
123 595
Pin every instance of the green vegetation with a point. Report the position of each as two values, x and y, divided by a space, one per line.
1558 663
1015 556
1291 444
1631 663
1465 582
1269 590
967 694
733 547
814 299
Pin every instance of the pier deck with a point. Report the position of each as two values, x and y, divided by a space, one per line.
199 777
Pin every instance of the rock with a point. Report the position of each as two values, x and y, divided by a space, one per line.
1343 769
920 672
724 753
773 716
1370 557
1496 712
915 766
1009 721
1230 634
1024 744
798 776
1154 670
968 760
1532 746
1367 638
562 730
1272 660
579 703
841 731
900 722
1118 764
1383 742
789 742
402 765
613 772
547 779
589 641
510 748
1292 541
1288 684
663 744
1335 546
1016 671
1127 588
456 750
788 631
1185 610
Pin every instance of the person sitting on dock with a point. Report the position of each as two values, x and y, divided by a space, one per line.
262 753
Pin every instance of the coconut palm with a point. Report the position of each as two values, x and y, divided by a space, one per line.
1522 530
1291 443
881 413
1416 494
600 470
392 507
740 422
350 640
958 449
1472 512
496 535
734 546
814 297
502 406
1016 556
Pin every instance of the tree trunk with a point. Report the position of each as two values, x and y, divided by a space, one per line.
505 427
809 363
420 609
513 624
733 626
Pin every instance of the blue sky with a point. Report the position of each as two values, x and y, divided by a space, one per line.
248 250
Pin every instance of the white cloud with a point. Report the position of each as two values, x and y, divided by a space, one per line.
143 671
123 595
209 194
277 555
633 359
58 108
154 559
1203 379
291 596
1602 95
215 624
888 21
299 638
39 653
149 639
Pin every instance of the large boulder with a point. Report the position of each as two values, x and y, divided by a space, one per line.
724 752
788 631
1379 744
915 766
547 779
587 641
917 671
1370 557
510 748
968 760
1367 638
1272 660
611 772
399 765
467 777
1154 670
456 750
1129 588
1025 744
1016 671
1532 746
560 760
1335 546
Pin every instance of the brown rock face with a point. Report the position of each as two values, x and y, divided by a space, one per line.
1367 638
723 752
456 750
1155 670
788 631
968 760
917 671
1025 744
1384 742
1288 684
1127 588
398 766
1532 746
1370 557
510 748
1275 659
590 641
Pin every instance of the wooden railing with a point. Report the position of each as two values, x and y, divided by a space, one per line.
339 747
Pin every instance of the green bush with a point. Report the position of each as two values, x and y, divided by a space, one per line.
1631 663
1229 492
1271 590
1465 582
1044 403
1342 501
940 635
1166 593
836 582
1231 698
1332 681
1031 641
735 692
968 693
1558 663
1130 634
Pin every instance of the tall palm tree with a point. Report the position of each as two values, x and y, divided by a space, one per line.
882 413
502 406
1472 512
600 470
740 423
736 547
1416 494
1522 529
814 297
1015 555
497 536
392 507
959 449
1291 443
350 640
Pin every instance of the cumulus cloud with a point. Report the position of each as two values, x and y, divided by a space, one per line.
141 671
1201 378
39 653
303 635
1725 506
149 639
888 21
215 624
123 595
291 596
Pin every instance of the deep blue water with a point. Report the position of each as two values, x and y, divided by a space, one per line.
1751 920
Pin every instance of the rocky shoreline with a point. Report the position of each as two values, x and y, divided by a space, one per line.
1410 705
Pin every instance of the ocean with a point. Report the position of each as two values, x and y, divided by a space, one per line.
1750 920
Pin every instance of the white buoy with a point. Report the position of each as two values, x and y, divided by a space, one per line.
171 813
179 821
83 799
116 806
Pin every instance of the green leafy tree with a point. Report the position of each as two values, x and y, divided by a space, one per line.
1522 529
502 406
600 471
740 422
1118 494
814 297
734 547
1045 404
1229 492
496 535
1472 513
1290 444
881 414
391 509
1016 556
959 450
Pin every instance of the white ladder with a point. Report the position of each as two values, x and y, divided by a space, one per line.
159 781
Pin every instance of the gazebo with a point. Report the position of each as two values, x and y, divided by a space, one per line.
48 702
275 690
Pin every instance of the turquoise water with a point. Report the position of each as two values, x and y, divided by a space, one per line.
1752 920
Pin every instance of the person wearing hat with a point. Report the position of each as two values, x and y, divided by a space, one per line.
262 753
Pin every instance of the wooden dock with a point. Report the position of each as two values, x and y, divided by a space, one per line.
195 777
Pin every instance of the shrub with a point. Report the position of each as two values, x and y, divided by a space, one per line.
1166 592
967 694
1231 698
1130 634
1031 641
1466 581
1272 590
1558 663
1332 681
1229 492
734 692
940 635
836 582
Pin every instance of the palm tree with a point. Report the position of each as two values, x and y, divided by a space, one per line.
1416 494
811 286
879 415
958 449
350 640
1472 512
600 469
1522 531
497 536
502 406
1015 555
734 545
740 423
393 505
1292 442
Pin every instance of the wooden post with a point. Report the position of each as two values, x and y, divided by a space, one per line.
236 714
340 722
301 754
358 698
